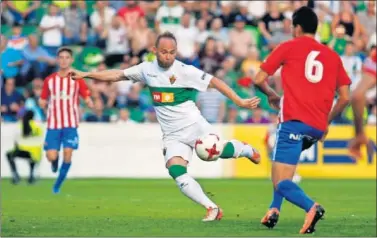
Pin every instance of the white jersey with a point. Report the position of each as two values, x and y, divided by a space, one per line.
173 92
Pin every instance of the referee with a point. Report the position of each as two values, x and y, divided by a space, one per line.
27 146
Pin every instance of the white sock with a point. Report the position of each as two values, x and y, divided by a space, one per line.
192 189
241 149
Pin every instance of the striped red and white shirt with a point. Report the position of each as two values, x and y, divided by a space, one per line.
63 106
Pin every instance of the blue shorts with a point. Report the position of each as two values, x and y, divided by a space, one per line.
55 138
292 138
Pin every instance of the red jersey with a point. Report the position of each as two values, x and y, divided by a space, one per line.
311 73
63 106
131 15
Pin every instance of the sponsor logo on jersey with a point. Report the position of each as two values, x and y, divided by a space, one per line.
163 97
172 79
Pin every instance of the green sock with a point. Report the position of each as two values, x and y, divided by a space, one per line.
177 170
228 151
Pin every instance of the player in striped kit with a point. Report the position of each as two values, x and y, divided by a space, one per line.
62 95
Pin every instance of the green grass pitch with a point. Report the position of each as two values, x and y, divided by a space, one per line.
131 207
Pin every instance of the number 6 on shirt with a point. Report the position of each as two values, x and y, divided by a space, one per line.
313 68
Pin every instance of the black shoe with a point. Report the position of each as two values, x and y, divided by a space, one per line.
271 218
31 180
315 214
16 180
54 165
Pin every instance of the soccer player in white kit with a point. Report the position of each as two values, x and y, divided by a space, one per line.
172 85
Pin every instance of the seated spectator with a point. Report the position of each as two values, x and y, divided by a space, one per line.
219 32
130 14
257 117
23 11
117 44
76 28
212 103
210 59
271 22
282 36
168 16
368 20
11 101
204 10
352 64
52 26
252 62
134 99
229 67
348 20
11 60
227 16
147 53
98 113
38 62
339 40
232 116
243 11
103 91
100 21
124 117
17 40
150 115
139 36
240 39
255 8
187 46
203 33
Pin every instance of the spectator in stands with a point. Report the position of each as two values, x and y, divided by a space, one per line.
257 117
187 46
212 103
150 115
368 20
229 67
6 16
100 21
134 99
52 26
203 10
210 60
252 62
124 117
103 91
226 16
31 99
339 40
117 44
139 36
116 4
98 113
282 36
256 8
11 101
348 19
147 54
130 14
219 32
17 40
271 22
232 115
243 10
203 33
23 11
76 28
38 62
240 40
168 16
352 64
11 60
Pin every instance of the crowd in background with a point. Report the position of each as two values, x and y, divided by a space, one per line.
228 39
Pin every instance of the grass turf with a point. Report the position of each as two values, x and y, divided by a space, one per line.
100 207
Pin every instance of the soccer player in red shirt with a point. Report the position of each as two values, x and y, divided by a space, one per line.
62 94
311 75
358 103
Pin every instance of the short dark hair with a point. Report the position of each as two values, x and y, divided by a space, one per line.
166 34
65 49
306 18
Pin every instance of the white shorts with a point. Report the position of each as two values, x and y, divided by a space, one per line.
181 143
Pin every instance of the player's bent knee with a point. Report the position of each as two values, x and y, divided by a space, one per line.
67 154
52 155
284 185
281 172
177 166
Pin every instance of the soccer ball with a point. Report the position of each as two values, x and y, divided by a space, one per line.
209 147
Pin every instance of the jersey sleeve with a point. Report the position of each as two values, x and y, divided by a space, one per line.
197 78
83 88
275 59
45 90
343 78
135 73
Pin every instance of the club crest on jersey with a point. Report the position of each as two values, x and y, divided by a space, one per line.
172 79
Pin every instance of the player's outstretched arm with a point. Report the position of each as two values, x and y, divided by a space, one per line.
229 93
112 75
261 83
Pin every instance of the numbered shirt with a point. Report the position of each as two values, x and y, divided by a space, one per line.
311 74
173 92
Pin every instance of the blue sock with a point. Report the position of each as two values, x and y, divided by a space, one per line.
294 194
62 175
277 200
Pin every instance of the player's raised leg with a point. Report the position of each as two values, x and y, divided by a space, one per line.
238 149
70 143
52 147
288 149
177 167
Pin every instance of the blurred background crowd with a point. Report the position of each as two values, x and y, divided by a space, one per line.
228 39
